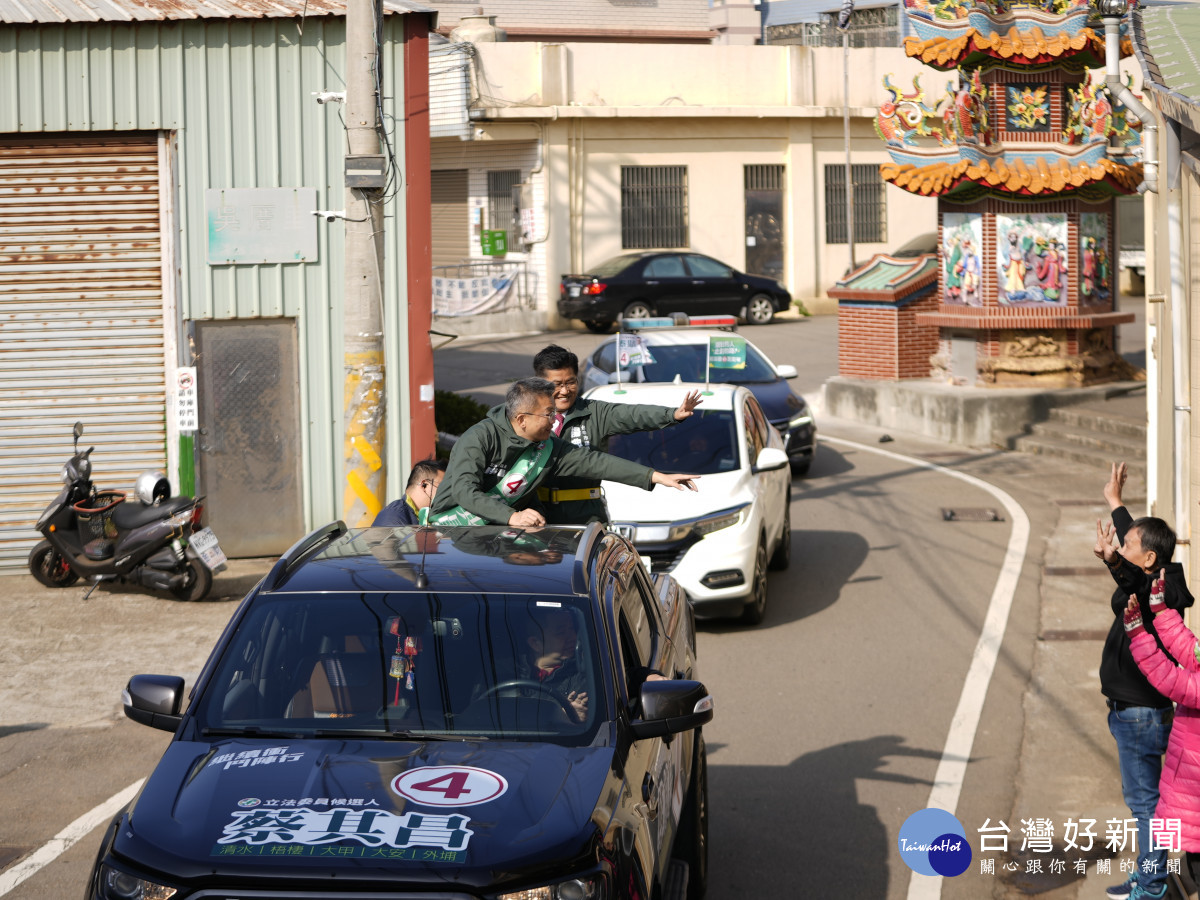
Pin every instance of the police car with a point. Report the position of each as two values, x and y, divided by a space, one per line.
719 541
417 712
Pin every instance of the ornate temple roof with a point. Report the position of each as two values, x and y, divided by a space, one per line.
1031 46
889 279
1103 176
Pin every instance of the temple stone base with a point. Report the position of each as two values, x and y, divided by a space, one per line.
968 416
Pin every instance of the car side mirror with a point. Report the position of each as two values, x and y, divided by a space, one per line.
154 700
786 371
621 376
769 459
672 707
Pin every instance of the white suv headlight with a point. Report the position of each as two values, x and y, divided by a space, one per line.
726 518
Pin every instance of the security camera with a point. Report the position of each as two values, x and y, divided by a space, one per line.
330 215
324 97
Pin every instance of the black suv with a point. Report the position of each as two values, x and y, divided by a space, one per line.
466 712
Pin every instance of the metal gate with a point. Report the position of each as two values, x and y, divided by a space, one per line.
249 439
449 220
81 319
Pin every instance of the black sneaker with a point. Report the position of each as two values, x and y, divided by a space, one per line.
1121 891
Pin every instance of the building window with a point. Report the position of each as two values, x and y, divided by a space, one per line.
500 204
870 206
654 207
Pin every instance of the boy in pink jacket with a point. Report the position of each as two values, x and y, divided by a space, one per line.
1179 789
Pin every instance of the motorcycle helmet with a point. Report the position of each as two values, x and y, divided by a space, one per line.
151 487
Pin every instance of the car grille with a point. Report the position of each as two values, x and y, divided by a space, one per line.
664 558
231 893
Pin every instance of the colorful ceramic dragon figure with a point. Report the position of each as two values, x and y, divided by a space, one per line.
904 118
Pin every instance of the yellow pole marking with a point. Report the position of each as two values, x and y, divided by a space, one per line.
364 493
367 452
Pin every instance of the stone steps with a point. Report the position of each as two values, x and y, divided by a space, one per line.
1091 437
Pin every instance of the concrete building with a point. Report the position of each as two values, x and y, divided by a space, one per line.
552 138
1163 39
159 169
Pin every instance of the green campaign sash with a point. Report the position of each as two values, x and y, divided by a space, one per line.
511 487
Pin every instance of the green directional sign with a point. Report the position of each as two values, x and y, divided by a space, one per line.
726 352
493 242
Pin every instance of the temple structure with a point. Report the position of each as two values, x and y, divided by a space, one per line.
1025 151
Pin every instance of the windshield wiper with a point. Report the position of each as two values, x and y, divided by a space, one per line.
250 731
397 735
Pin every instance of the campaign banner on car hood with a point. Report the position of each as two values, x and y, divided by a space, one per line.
357 805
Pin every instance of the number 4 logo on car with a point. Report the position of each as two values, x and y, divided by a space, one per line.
449 785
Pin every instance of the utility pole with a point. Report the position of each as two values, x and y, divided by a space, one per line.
365 407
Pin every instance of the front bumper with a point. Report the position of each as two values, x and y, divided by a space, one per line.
716 571
799 441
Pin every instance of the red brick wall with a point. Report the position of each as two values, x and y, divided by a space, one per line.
885 343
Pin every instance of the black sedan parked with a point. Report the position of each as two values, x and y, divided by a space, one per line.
638 285
466 712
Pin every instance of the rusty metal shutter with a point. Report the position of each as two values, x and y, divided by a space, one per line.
81 320
451 226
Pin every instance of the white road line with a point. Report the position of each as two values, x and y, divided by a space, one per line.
947 781
59 844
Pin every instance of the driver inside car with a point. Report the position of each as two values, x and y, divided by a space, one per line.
549 657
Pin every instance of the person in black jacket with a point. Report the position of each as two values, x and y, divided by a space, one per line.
1139 717
422 487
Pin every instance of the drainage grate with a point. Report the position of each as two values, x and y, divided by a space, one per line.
1072 635
971 514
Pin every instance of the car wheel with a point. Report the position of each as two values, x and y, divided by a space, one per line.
760 310
782 557
196 584
638 309
801 466
753 612
692 843
50 567
597 327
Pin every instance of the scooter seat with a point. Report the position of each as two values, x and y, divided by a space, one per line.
128 516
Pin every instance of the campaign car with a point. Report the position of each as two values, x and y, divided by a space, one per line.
719 541
462 712
682 352
649 283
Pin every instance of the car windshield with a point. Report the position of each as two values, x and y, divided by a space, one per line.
613 266
422 666
703 444
687 361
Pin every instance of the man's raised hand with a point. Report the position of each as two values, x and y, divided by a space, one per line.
1104 541
1116 482
689 404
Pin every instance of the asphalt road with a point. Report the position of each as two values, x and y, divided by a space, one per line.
831 716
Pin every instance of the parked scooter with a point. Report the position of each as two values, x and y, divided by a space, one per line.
98 535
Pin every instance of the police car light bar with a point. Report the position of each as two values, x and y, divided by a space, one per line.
679 320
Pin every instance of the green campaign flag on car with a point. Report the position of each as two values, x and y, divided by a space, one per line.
726 352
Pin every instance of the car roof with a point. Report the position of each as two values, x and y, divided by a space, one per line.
668 393
453 559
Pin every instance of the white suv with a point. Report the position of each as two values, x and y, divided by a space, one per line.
718 542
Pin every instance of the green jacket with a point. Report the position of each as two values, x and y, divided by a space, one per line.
589 424
489 448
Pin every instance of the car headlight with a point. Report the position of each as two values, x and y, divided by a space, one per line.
726 519
118 885
591 887
805 418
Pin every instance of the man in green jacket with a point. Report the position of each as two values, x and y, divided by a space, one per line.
497 466
589 424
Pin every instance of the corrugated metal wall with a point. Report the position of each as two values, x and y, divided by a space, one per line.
237 95
81 320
